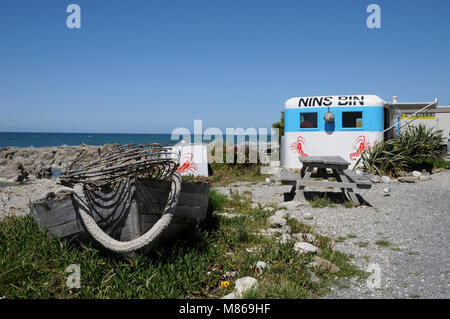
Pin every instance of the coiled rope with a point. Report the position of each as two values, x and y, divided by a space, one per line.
140 242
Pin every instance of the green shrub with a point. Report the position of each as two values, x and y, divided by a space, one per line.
217 200
413 149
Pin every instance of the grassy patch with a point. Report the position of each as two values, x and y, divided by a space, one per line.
217 201
320 202
348 204
362 244
223 173
352 236
340 239
383 243
193 266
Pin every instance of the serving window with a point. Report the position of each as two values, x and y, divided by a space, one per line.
352 119
308 120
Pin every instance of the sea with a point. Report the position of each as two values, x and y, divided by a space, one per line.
71 139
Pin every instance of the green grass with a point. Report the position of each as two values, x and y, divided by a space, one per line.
383 243
320 202
223 173
362 244
217 201
33 266
348 204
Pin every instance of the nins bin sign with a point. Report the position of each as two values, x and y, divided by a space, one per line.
343 126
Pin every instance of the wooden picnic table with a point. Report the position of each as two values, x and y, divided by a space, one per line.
345 180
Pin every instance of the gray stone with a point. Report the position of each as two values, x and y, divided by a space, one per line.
244 284
284 238
276 221
255 206
374 178
307 216
306 237
227 215
261 265
407 179
229 296
286 229
385 179
281 213
416 174
325 265
269 209
313 277
305 248
425 178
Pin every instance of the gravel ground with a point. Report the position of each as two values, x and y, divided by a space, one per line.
413 222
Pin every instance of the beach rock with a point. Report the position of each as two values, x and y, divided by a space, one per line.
306 237
293 205
261 265
286 229
244 284
425 178
325 265
407 179
374 178
229 296
269 209
276 221
229 275
281 213
21 174
227 215
385 179
307 216
416 174
305 248
44 172
313 277
284 238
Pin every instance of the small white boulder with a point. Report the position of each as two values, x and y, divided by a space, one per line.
385 179
244 284
261 265
281 213
416 174
276 221
305 248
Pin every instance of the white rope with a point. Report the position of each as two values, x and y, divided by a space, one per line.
142 241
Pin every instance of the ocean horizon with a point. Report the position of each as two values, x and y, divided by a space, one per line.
26 139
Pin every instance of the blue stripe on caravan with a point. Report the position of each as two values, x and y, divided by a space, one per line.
372 119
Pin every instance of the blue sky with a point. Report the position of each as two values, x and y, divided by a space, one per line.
152 66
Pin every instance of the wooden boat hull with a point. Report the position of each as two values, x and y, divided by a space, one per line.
124 212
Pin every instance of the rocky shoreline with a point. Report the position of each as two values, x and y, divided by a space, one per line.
18 164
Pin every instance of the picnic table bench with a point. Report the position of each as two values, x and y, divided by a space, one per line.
345 180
